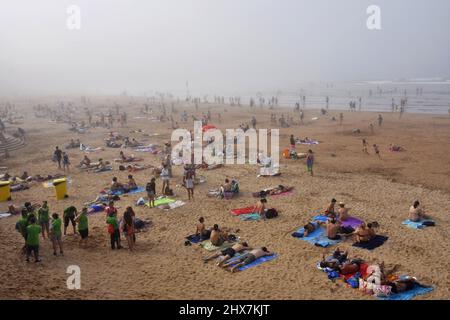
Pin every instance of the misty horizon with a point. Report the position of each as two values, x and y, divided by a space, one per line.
216 46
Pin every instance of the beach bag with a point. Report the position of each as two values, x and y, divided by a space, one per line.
271 213
110 229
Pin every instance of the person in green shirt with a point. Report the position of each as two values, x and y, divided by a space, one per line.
55 234
21 226
43 218
33 232
70 214
113 230
83 226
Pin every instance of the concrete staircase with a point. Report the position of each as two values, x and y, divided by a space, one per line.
10 143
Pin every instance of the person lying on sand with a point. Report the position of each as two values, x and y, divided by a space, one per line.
395 148
227 253
247 259
416 213
218 236
135 167
311 226
402 285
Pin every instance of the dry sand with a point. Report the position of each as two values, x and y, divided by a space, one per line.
163 268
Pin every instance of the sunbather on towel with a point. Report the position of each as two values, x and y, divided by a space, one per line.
335 231
393 147
218 236
364 233
228 253
85 163
201 229
116 186
260 207
330 211
343 212
402 285
416 213
310 227
247 259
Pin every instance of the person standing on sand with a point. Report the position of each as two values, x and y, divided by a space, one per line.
310 162
69 215
57 156
341 118
365 145
113 230
151 192
380 120
128 228
165 178
55 234
83 226
33 232
66 162
189 181
371 128
377 151
292 142
43 218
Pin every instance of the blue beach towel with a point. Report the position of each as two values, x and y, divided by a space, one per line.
416 225
137 190
372 244
194 238
250 217
318 237
258 261
408 295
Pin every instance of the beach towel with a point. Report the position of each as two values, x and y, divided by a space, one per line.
239 211
318 237
4 215
250 217
207 245
307 142
194 238
120 192
282 194
258 262
372 244
350 222
416 225
172 205
161 201
408 295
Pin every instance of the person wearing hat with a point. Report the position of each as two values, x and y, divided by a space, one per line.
343 212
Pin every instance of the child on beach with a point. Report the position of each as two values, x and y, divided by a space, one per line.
113 230
377 151
151 192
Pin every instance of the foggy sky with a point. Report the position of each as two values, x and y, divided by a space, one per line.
216 45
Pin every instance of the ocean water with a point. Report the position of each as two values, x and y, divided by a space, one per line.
424 96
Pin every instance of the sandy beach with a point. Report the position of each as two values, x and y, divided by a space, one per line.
162 267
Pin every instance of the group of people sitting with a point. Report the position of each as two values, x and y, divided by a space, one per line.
227 190
116 186
375 274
